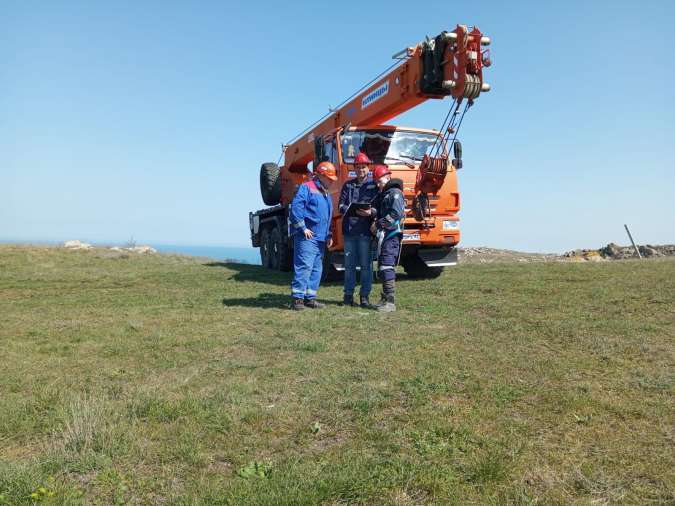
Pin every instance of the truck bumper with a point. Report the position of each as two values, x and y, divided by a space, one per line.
432 257
438 257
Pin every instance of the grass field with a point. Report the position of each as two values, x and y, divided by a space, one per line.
172 380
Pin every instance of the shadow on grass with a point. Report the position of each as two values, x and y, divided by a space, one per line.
260 274
269 301
262 300
255 273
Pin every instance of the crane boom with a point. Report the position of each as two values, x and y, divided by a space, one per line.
451 64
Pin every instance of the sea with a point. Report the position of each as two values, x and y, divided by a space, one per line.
242 254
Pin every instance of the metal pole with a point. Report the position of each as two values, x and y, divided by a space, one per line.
632 241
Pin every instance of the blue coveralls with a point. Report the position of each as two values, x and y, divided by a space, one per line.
311 209
357 236
390 214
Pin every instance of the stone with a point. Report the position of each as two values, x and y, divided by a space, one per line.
143 249
75 244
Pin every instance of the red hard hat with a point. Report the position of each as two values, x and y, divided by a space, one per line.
326 169
380 170
362 158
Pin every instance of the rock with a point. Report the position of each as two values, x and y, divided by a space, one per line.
649 251
143 249
76 245
611 250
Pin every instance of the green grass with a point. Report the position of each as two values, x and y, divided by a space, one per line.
163 379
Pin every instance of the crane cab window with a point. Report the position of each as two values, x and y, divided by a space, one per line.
387 146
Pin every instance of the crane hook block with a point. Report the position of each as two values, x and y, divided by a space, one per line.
452 64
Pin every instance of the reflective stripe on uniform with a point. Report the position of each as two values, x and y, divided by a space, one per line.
309 291
386 267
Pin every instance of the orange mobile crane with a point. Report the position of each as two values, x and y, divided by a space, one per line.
449 65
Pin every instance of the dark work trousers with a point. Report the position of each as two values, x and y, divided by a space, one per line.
388 259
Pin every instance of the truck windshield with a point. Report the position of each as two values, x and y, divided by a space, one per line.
387 146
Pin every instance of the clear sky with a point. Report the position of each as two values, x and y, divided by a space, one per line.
151 119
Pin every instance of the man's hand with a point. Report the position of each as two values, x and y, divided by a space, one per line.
330 243
308 233
373 228
364 212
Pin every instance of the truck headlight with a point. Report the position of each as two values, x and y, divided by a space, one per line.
450 225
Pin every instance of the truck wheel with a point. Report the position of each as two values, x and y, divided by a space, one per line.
415 267
265 248
281 253
270 183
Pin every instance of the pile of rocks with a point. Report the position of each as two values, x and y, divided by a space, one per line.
584 255
615 252
612 251
79 245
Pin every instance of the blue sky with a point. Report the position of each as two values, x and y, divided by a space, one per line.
151 119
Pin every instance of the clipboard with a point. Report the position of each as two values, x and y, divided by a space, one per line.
354 206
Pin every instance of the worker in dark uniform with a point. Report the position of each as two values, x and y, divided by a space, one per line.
310 219
388 229
356 231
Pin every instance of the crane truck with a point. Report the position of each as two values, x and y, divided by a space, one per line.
448 65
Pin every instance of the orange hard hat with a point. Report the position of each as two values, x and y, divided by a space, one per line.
326 169
380 170
362 158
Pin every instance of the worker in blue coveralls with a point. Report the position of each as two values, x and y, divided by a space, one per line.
356 231
310 219
388 229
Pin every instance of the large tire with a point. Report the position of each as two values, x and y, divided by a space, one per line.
280 251
270 183
266 248
415 267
